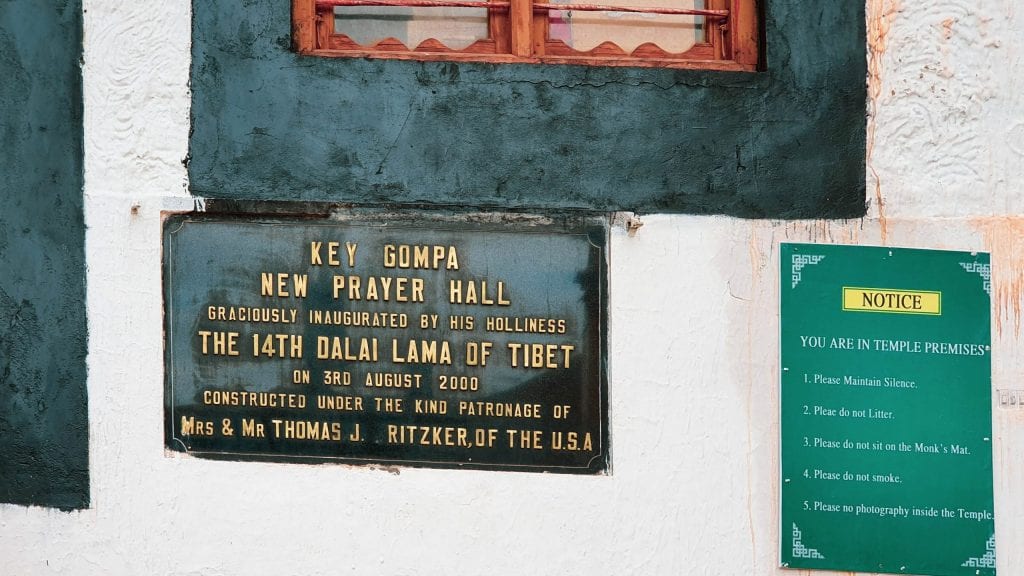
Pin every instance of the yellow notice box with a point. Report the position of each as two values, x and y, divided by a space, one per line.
892 301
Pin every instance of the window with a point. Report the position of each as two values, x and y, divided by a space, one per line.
710 34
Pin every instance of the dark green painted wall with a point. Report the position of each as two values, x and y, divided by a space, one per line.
788 142
44 433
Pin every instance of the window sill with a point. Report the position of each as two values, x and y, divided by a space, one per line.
716 65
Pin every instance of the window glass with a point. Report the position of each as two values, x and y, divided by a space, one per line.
585 30
456 28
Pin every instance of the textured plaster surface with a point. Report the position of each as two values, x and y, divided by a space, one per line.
786 142
44 456
950 141
693 358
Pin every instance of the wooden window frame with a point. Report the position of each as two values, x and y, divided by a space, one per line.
518 32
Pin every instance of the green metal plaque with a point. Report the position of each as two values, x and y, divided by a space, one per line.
886 411
445 342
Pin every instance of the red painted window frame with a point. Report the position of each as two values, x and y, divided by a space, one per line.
518 34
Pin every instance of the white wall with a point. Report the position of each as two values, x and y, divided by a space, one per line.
693 383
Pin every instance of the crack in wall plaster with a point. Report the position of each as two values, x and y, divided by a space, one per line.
880 15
